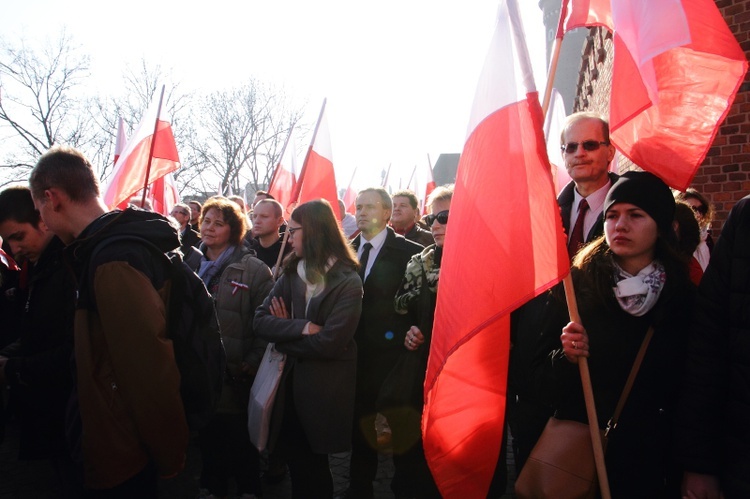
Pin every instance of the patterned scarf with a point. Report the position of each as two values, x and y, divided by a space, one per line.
209 268
637 294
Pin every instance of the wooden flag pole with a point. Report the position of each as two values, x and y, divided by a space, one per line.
281 255
570 297
151 149
588 395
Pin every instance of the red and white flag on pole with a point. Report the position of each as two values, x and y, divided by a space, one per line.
317 179
422 184
163 194
284 180
350 195
387 178
504 196
120 140
150 151
676 71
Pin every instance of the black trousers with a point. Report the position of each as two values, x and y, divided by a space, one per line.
310 472
226 452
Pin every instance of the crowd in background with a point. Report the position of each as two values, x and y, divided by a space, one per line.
350 300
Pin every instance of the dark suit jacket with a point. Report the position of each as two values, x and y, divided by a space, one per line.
380 328
565 200
190 238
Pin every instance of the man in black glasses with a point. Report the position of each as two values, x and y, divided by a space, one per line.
587 153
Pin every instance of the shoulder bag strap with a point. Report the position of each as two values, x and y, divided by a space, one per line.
612 423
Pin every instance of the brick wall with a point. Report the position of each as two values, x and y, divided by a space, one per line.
724 176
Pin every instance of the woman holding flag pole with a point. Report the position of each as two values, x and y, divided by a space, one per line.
633 293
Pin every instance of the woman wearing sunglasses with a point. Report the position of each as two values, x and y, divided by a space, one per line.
704 213
417 297
628 281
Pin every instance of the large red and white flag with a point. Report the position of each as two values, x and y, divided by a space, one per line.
151 151
504 197
317 178
676 71
284 180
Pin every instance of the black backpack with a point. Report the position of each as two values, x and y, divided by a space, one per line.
193 327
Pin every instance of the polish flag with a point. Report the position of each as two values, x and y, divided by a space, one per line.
350 195
673 82
163 194
317 179
284 179
120 140
151 152
465 384
422 184
387 178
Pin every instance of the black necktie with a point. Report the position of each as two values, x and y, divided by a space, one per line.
363 260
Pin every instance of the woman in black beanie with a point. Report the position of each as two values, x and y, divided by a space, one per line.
627 281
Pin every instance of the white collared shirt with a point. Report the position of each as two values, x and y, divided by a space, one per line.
377 243
594 213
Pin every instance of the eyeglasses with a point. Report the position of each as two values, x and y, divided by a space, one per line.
292 230
180 212
588 145
441 217
700 209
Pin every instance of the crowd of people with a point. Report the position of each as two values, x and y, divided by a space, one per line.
350 300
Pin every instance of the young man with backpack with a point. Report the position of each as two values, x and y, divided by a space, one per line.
133 427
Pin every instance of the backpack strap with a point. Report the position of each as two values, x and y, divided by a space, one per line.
86 281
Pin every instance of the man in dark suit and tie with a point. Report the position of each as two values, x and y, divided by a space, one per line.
588 153
383 256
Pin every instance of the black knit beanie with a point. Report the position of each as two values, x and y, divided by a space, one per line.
646 191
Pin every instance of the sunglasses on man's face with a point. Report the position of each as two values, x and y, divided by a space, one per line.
588 145
441 217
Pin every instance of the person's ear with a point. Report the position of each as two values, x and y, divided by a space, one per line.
611 153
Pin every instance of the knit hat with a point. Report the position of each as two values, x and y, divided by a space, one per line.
646 191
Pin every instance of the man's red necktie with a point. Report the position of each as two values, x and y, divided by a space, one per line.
576 236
